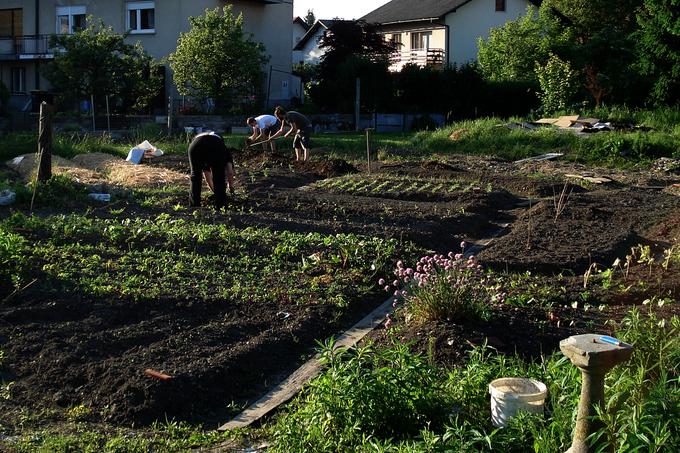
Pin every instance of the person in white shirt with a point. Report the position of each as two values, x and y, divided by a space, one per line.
264 126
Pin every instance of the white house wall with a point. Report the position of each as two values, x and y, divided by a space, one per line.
310 52
475 19
269 24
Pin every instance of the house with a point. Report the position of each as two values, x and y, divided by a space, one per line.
441 32
26 25
307 49
300 27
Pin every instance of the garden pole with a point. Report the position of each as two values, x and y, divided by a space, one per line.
45 143
94 125
108 114
368 148
594 355
357 104
169 115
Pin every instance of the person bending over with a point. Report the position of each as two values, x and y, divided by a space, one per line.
264 126
300 126
210 158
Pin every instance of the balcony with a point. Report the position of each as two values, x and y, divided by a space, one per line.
422 58
36 47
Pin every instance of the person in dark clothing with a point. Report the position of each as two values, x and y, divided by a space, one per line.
209 157
300 126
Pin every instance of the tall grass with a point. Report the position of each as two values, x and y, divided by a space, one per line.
347 408
485 136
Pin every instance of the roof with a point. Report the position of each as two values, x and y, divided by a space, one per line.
325 24
413 11
301 22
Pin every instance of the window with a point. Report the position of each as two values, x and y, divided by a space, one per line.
11 22
18 80
141 17
70 19
396 39
500 5
420 40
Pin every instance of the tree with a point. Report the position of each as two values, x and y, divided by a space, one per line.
511 52
353 49
215 59
658 46
97 62
310 18
603 49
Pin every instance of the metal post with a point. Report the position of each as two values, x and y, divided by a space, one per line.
357 104
269 87
45 143
108 114
94 125
169 115
368 148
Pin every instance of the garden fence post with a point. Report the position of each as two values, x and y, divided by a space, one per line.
45 143
357 105
94 125
368 148
594 355
169 115
108 115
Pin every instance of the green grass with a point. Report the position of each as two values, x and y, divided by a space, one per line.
479 137
162 437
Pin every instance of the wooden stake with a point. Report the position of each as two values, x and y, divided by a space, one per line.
45 143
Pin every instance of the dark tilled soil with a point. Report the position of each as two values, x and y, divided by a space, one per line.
95 352
75 350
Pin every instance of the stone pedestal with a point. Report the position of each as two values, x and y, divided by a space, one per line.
594 357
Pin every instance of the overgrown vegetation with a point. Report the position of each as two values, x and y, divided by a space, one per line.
448 410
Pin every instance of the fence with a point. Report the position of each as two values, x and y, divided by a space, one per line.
338 122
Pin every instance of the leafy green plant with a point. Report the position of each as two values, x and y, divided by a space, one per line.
365 394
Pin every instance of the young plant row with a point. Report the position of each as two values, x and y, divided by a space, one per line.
175 258
398 187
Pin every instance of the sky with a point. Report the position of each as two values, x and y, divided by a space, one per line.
329 9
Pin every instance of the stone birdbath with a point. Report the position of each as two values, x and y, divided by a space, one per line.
594 355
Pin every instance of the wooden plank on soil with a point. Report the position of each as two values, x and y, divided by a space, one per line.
308 371
481 244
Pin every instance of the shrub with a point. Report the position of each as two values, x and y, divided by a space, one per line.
558 83
445 287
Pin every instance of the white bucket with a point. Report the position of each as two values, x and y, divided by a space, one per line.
510 395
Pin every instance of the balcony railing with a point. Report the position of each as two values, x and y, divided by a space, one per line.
25 47
424 57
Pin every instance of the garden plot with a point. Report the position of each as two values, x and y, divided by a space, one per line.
228 303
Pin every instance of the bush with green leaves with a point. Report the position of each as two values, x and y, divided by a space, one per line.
558 83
